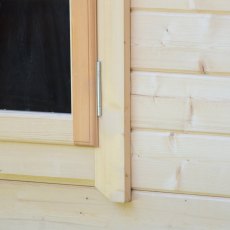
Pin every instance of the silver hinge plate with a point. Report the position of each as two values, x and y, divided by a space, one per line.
99 90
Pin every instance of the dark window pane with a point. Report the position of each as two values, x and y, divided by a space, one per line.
35 55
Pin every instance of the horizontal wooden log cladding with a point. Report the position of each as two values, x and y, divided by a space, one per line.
29 206
180 96
44 162
181 163
200 5
181 102
189 43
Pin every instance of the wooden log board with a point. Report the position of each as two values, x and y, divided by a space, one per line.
181 163
181 102
38 206
193 5
39 162
188 43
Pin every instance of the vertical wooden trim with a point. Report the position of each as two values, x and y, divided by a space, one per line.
112 158
127 93
92 12
84 57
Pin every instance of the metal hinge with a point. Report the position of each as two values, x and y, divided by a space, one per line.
99 90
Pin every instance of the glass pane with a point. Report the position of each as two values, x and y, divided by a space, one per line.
35 55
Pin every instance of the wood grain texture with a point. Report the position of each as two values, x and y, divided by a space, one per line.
84 57
30 206
192 5
47 180
168 42
112 166
181 163
181 102
127 99
36 127
57 161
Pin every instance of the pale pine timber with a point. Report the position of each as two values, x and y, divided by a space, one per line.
83 69
181 102
127 99
181 163
183 43
112 158
29 206
35 127
46 163
191 5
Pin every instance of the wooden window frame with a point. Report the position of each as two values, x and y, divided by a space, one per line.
84 58
112 155
81 126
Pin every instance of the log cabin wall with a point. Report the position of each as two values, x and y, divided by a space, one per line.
180 131
180 96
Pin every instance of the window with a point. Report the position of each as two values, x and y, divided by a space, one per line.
35 56
47 46
112 157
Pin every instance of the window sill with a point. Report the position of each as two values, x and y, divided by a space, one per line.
35 127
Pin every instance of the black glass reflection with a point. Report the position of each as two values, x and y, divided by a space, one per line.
35 55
